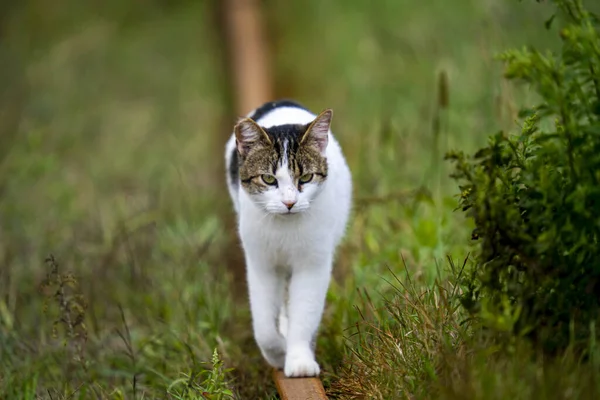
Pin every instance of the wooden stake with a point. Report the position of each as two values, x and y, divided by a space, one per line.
248 54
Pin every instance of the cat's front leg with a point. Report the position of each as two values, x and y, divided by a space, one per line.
307 292
266 287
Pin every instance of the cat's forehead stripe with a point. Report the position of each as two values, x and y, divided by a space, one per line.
284 155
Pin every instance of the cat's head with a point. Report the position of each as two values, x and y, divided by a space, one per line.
283 167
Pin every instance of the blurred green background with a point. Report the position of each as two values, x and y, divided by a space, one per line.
114 115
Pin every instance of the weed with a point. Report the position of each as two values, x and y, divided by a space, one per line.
203 384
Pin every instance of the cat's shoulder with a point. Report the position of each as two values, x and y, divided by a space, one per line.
281 112
267 108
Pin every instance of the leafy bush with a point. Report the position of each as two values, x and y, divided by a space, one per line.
535 196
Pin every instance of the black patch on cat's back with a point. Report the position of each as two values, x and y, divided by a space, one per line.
234 167
271 105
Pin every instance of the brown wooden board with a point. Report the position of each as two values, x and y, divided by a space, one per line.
298 388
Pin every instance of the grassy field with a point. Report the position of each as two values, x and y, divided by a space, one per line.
114 116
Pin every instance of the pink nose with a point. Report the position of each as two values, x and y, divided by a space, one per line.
289 204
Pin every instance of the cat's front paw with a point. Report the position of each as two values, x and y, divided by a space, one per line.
301 364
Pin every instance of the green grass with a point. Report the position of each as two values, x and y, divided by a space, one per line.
115 167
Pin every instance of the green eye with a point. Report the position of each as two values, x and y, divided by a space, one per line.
306 178
268 179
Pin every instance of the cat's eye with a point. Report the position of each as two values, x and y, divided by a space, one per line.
268 179
306 178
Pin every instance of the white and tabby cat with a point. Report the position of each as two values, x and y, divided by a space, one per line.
291 189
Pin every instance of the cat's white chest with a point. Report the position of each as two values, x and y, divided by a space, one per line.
283 239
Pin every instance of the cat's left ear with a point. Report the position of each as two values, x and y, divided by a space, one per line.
318 131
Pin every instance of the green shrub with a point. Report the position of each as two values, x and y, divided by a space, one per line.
535 196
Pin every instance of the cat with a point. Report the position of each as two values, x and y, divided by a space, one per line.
292 192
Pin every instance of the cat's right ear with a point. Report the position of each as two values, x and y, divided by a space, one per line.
248 134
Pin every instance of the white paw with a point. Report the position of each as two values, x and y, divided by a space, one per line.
301 364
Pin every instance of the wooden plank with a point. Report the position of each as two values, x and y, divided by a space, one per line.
298 388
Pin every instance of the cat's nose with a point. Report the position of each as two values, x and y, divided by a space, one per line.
289 204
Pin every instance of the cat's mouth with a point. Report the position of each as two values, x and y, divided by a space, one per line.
284 212
288 214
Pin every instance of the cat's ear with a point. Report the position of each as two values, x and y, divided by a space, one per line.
248 134
318 131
